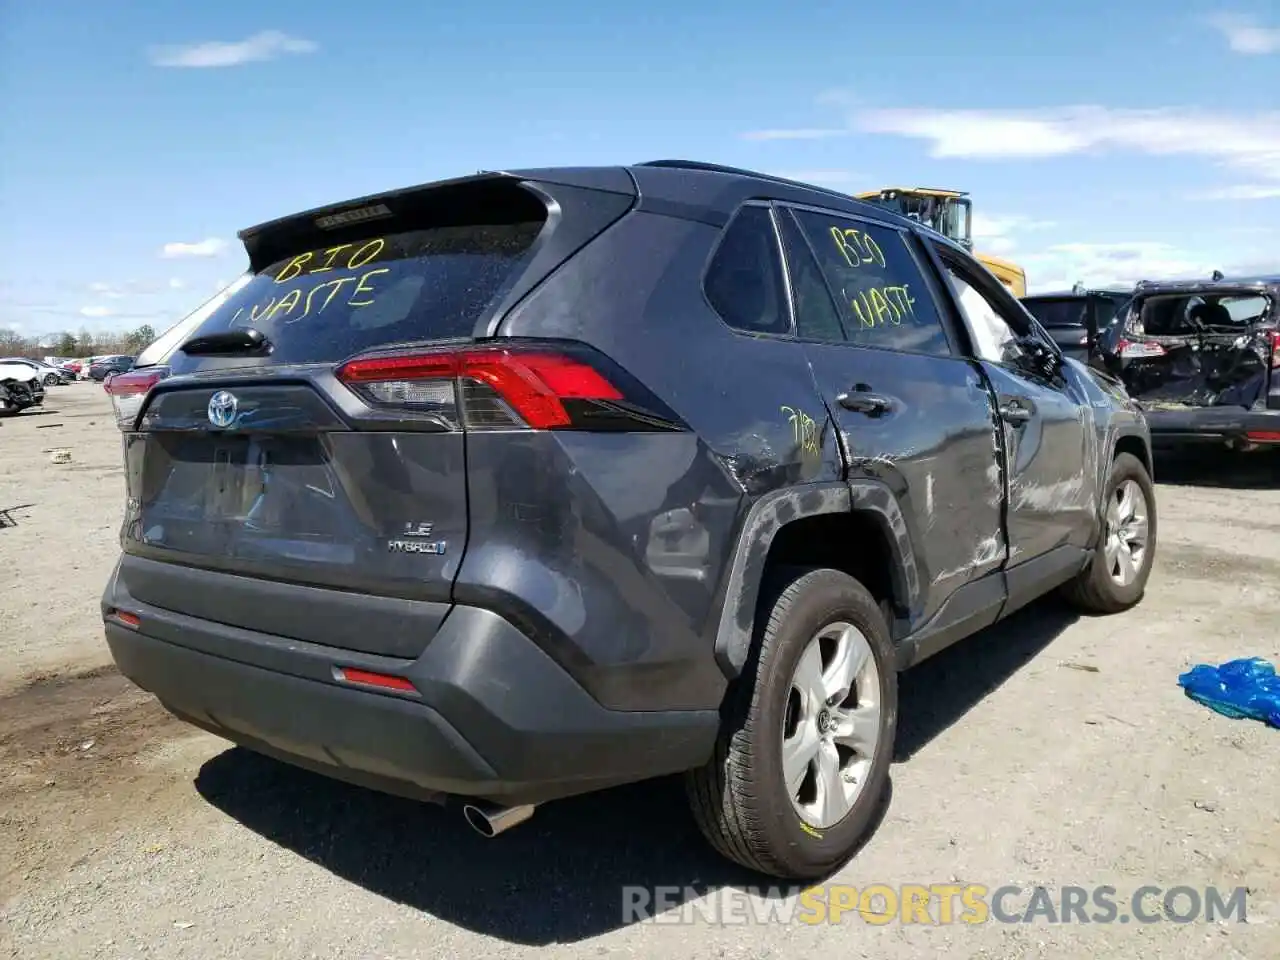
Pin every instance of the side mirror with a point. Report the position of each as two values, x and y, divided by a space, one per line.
1040 356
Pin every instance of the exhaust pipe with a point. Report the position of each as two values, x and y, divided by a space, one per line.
489 820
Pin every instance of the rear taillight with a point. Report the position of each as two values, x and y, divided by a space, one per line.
516 385
129 390
1136 349
1275 348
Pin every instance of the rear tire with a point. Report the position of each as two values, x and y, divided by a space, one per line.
1107 585
820 619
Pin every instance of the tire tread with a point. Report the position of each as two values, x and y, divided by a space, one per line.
733 817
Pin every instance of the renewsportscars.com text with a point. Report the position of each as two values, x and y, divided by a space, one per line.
934 904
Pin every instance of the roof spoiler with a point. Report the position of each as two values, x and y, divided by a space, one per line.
267 242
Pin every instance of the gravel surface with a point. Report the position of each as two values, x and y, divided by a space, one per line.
1049 750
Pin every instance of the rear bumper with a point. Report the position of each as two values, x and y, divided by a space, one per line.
1213 425
493 716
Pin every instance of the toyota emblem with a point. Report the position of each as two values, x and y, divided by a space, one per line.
222 409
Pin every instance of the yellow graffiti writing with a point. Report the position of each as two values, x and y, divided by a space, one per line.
361 256
362 288
804 430
313 301
877 305
857 247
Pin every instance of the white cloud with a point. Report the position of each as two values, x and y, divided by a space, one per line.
1242 191
1123 264
1244 34
998 234
176 283
210 247
96 311
266 45
1246 141
979 134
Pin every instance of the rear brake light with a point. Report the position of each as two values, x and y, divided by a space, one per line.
1275 348
129 390
512 385
1263 436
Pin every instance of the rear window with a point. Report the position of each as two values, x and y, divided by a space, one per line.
1185 314
1064 314
327 302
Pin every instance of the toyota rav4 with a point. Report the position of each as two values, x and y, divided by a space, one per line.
517 486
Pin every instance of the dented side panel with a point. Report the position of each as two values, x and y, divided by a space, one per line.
669 534
1050 460
931 464
1116 419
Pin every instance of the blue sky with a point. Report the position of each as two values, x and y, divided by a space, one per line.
1101 141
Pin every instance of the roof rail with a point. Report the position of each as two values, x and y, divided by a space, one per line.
741 172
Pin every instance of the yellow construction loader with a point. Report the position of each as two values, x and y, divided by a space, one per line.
949 213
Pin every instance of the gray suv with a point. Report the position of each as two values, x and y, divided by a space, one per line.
517 486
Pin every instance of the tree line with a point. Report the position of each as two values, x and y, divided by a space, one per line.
77 345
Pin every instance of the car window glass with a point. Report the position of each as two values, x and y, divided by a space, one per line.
429 281
993 338
816 317
881 294
1107 310
744 280
1065 313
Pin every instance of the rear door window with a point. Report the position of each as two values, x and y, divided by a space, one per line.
876 283
325 303
816 316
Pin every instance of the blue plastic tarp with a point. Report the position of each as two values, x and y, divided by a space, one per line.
1248 687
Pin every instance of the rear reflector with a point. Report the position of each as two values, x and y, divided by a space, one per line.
533 383
370 679
129 390
128 619
1263 436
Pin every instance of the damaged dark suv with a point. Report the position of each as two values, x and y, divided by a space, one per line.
1076 318
513 487
1203 360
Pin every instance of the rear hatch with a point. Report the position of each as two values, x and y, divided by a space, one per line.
299 466
1197 348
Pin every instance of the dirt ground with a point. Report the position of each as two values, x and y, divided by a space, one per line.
1050 750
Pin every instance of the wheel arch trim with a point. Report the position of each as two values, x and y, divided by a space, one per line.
761 525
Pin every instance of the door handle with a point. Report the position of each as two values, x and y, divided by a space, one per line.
872 404
1015 412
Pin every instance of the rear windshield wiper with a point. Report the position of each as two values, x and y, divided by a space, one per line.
243 340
